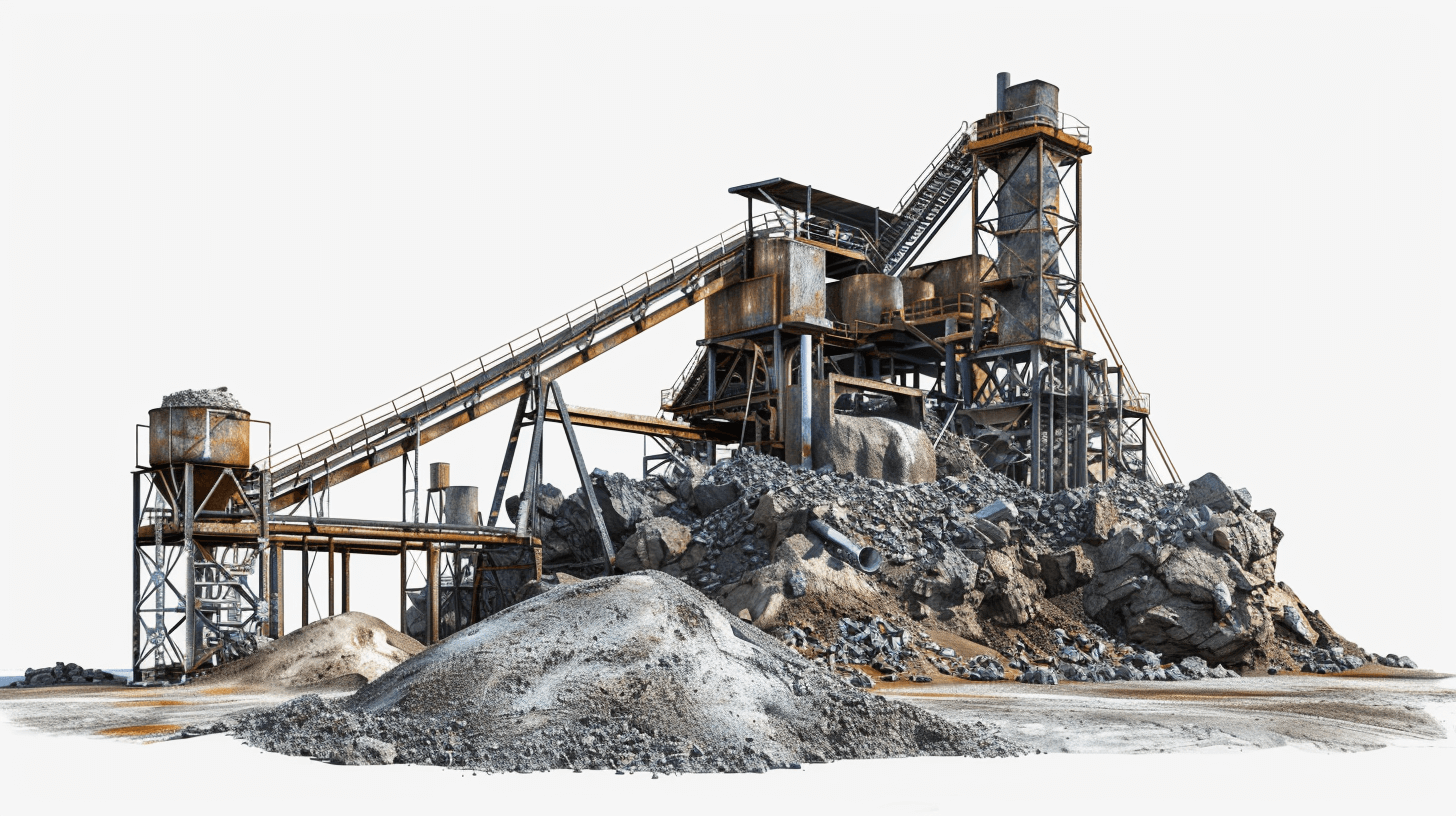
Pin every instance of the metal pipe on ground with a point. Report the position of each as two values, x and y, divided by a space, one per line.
867 559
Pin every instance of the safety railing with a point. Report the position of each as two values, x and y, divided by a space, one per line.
577 327
1035 115
670 395
951 146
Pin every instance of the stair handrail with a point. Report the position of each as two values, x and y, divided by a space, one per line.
607 307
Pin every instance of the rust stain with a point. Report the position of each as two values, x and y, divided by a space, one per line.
148 703
139 730
218 692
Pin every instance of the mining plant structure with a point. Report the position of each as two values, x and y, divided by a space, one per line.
817 312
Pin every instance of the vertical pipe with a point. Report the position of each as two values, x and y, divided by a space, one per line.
875 367
806 401
331 576
344 568
1003 80
190 639
403 547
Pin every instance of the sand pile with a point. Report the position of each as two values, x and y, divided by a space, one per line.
636 672
202 398
346 650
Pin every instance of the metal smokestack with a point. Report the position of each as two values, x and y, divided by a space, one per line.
1003 80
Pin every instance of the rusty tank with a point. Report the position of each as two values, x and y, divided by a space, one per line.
211 439
914 290
865 298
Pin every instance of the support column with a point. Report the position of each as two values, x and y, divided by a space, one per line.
712 370
432 576
136 578
303 551
806 401
505 473
948 381
586 486
344 567
190 548
781 372
331 577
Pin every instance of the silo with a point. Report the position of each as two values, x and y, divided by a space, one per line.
1027 243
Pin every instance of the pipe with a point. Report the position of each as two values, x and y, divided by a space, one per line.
1003 81
867 559
806 402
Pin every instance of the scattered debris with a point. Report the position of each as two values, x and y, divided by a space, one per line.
66 674
202 398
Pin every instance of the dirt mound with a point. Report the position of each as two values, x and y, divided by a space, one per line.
633 672
346 650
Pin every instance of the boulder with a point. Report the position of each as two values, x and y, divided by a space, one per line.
655 543
1010 597
1101 522
876 448
1209 490
998 511
761 595
1065 571
709 498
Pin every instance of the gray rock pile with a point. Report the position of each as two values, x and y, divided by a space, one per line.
202 398
636 672
63 674
1179 571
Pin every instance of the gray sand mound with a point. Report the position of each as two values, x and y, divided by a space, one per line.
349 649
636 672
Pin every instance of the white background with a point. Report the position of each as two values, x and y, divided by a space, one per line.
324 205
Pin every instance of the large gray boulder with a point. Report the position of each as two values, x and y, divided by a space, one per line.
655 543
1184 596
876 448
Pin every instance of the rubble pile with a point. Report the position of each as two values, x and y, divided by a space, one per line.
202 398
635 672
1163 570
63 674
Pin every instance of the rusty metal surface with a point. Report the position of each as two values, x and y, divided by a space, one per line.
865 298
439 475
914 290
637 423
462 505
212 436
751 304
959 276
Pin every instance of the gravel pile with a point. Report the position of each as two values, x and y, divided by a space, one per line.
345 651
1181 571
636 672
66 674
202 398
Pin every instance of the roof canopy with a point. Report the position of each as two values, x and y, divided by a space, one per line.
795 196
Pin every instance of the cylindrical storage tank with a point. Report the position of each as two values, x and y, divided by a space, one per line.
211 438
914 290
462 505
198 435
864 298
958 276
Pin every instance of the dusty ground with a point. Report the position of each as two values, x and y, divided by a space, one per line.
1361 710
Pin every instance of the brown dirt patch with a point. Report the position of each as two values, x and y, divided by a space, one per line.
139 730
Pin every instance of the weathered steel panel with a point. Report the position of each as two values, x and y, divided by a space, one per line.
865 297
747 305
462 505
209 436
914 290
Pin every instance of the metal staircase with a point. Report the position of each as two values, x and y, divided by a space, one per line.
924 208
